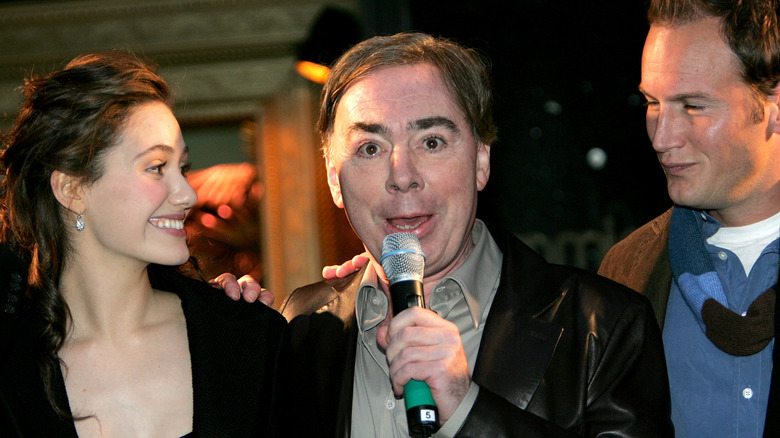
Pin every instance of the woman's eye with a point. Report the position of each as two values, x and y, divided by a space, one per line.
185 167
158 169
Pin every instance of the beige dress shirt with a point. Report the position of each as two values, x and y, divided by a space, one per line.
463 298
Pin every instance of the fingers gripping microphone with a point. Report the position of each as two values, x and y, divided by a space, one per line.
403 262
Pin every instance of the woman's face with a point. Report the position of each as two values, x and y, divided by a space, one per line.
136 210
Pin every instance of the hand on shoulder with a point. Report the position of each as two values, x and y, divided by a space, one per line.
245 287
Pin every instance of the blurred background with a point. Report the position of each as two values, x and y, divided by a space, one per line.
573 170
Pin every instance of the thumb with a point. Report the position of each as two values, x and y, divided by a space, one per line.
381 337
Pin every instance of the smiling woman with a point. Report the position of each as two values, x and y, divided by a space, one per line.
109 340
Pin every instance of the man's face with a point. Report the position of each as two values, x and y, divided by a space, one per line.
404 159
700 120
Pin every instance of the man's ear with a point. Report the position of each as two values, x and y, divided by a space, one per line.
483 165
68 190
774 111
333 183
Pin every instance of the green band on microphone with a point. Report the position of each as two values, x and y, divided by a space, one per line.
417 393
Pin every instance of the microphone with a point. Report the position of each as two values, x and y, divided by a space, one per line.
403 262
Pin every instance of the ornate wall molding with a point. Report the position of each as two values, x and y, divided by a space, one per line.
216 53
227 60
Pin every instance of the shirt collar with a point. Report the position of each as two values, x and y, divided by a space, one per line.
709 225
371 303
473 281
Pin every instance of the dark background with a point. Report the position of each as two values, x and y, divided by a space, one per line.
565 79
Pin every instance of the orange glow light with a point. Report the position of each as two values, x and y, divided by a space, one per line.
224 211
313 72
208 220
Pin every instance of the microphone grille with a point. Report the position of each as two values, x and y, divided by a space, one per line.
402 257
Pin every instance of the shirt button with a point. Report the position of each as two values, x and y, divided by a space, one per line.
703 216
744 313
375 300
747 393
390 404
722 255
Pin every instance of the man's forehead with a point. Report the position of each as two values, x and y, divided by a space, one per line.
695 44
401 91
687 56
423 81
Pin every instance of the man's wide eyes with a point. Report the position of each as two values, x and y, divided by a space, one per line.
433 143
369 149
373 149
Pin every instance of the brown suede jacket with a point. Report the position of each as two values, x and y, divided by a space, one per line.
641 262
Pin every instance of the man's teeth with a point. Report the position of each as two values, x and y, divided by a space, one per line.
168 223
407 227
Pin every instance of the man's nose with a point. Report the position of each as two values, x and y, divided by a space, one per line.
665 129
404 171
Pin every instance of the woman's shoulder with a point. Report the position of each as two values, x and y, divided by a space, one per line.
202 299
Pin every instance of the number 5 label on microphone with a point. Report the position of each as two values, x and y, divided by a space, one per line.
427 415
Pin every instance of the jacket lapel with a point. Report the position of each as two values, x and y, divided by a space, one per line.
513 328
659 279
323 330
344 420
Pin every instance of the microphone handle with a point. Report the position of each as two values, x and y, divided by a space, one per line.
422 415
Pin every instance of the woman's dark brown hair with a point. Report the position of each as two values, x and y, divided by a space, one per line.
68 121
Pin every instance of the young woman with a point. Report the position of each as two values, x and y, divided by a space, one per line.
107 339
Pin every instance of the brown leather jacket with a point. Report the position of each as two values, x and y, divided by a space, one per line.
564 353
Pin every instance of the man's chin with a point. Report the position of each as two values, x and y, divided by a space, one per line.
682 196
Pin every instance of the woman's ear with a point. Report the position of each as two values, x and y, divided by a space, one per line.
68 190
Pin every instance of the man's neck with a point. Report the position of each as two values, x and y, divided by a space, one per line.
749 211
736 218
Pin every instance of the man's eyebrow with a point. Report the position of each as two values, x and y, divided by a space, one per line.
372 128
416 125
431 122
681 96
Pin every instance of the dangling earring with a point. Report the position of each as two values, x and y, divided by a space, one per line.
80 222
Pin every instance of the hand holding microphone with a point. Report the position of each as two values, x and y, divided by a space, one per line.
436 352
404 262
